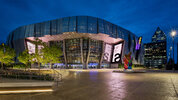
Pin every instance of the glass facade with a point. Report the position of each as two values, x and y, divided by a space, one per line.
159 36
155 54
95 51
77 50
79 24
73 51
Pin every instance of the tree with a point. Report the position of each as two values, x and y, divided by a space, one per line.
38 55
51 54
7 55
25 58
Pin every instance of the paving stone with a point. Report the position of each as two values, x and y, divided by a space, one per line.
110 86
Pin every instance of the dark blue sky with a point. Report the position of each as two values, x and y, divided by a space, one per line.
141 17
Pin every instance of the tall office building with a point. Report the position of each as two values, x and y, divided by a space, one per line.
159 36
155 52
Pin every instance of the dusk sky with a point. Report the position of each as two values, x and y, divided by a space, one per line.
141 17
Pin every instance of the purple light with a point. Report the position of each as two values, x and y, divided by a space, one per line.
138 43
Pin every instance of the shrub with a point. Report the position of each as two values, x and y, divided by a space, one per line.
120 65
19 66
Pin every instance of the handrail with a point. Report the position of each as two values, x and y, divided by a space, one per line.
57 78
18 75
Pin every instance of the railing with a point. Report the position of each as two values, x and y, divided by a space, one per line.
57 77
25 75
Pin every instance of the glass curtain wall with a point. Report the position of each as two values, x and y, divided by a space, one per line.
73 51
95 53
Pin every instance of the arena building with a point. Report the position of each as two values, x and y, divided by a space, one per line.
86 42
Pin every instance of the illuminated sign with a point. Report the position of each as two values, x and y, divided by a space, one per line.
31 47
138 43
117 53
39 48
107 52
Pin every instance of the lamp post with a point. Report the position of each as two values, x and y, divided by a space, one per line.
173 33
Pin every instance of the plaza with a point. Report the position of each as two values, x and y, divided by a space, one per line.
106 85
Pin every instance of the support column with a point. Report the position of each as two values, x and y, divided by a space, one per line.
88 55
81 49
64 52
102 54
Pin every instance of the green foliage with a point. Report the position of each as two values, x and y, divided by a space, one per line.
43 55
120 65
7 55
25 57
51 54
38 55
19 66
133 66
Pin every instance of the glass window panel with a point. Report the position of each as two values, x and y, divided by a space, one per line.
59 26
65 24
82 24
110 29
114 34
72 24
92 25
100 26
45 29
16 34
29 30
53 27
73 51
22 32
38 30
120 32
106 27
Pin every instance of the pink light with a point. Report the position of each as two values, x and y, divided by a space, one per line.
31 47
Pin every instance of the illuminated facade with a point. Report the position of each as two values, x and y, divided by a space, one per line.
155 52
86 42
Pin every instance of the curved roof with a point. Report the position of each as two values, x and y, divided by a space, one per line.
78 24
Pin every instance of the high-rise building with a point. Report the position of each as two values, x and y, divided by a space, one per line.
159 36
155 52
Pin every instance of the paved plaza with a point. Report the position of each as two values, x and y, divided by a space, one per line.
94 85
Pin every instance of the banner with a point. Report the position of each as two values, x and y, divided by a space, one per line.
107 52
117 53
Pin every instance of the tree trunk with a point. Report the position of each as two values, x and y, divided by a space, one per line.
30 65
2 67
25 66
39 67
50 65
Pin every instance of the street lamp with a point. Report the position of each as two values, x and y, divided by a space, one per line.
173 34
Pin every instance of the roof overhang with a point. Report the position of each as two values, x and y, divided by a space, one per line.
71 35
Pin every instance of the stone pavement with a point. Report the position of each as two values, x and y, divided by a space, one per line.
95 85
